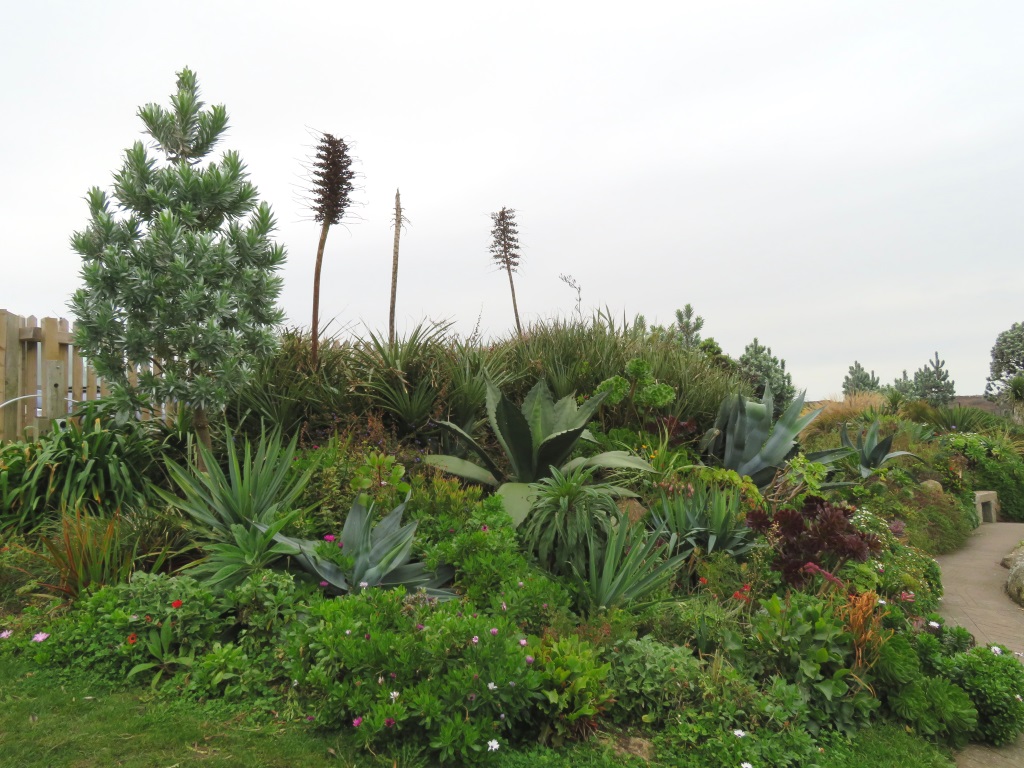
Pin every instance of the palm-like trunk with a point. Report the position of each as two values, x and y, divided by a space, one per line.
394 267
315 330
515 307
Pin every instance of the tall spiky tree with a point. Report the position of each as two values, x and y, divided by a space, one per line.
180 274
332 184
505 250
399 222
859 380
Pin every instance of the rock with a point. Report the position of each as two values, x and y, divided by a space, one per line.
1014 557
932 485
1015 583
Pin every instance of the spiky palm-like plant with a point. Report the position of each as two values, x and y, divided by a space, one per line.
332 184
505 250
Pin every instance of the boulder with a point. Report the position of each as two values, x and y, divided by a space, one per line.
1014 557
1015 582
932 485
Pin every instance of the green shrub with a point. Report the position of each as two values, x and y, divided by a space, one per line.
651 680
572 688
992 465
698 622
994 680
404 668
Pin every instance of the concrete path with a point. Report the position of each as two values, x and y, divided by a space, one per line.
975 598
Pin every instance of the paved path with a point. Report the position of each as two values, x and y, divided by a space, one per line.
975 598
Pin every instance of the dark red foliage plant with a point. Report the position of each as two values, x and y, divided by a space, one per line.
820 533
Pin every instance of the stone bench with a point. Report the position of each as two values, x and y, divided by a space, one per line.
987 505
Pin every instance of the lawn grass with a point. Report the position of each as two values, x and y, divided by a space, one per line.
44 723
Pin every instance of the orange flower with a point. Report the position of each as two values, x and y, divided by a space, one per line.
133 639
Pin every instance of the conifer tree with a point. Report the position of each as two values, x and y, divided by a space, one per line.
932 384
859 380
180 275
505 250
761 367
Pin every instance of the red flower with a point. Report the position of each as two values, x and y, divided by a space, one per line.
176 604
148 617
702 580
133 639
746 587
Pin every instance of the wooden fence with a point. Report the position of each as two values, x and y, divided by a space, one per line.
42 376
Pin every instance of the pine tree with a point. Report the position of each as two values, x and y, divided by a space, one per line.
332 185
932 384
859 380
505 250
760 367
180 275
688 327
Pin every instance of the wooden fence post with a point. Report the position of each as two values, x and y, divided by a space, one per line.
10 374
55 378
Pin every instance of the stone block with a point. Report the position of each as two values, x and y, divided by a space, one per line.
987 505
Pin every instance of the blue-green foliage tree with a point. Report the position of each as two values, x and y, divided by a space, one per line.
179 272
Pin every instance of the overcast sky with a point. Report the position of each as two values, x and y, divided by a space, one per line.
842 180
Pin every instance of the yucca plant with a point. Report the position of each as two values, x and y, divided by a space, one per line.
257 487
535 438
368 555
871 452
631 565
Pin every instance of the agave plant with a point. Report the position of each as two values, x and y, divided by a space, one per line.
534 438
745 439
871 452
374 555
707 518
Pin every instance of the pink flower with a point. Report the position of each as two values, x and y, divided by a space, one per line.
522 642
38 637
494 630
329 537
389 722
5 634
357 722
529 659
323 583
475 640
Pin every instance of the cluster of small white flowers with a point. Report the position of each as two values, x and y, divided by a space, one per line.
934 624
997 650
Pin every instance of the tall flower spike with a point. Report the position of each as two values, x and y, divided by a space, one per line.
332 184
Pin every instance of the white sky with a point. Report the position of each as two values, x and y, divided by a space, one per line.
842 180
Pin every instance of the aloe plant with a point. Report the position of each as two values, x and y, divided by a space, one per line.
871 452
745 439
372 555
534 438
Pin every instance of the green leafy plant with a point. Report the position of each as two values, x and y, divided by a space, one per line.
637 389
257 487
367 555
379 474
534 438
651 680
871 452
572 689
632 565
567 516
163 647
993 679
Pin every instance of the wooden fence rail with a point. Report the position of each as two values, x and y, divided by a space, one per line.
43 377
